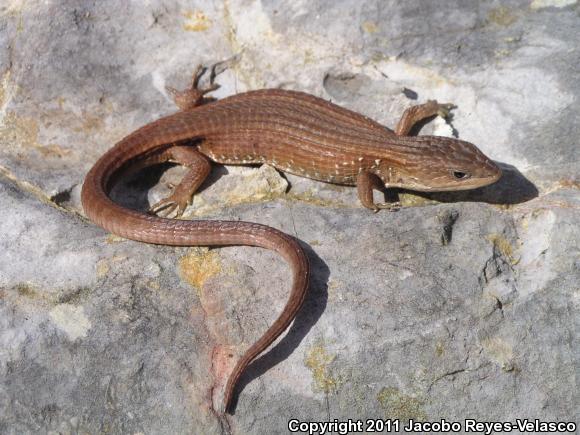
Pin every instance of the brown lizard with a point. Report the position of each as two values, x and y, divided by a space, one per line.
295 132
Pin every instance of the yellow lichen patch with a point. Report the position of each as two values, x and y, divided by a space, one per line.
26 290
334 287
308 57
4 87
502 53
199 265
570 183
504 247
22 132
334 284
31 293
102 268
310 197
18 131
501 15
370 27
231 33
410 200
400 406
61 101
53 150
439 348
499 351
90 123
196 21
113 238
12 7
153 284
318 361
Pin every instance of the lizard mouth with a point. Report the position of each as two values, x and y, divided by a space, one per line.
448 185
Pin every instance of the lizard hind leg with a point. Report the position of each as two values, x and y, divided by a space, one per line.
414 114
194 96
182 195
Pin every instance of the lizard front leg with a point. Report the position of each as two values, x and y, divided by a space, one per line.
366 182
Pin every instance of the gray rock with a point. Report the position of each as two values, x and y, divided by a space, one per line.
461 305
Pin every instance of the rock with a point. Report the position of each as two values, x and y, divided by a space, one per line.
460 305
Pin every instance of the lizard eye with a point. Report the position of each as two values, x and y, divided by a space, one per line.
460 175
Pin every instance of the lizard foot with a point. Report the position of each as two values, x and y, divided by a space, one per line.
194 96
176 203
441 109
390 206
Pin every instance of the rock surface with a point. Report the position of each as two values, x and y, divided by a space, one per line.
458 306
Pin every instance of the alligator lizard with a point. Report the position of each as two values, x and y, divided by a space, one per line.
294 132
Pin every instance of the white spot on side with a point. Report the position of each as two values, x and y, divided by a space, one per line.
377 162
360 159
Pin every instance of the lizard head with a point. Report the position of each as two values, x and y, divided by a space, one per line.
434 163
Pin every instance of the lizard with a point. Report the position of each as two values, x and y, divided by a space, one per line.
293 131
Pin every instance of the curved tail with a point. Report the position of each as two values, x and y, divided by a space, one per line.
152 229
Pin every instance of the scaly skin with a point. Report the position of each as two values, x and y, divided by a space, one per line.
294 132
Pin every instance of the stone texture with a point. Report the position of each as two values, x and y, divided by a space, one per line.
461 305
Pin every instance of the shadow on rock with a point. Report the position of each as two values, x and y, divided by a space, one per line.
133 189
511 188
312 309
